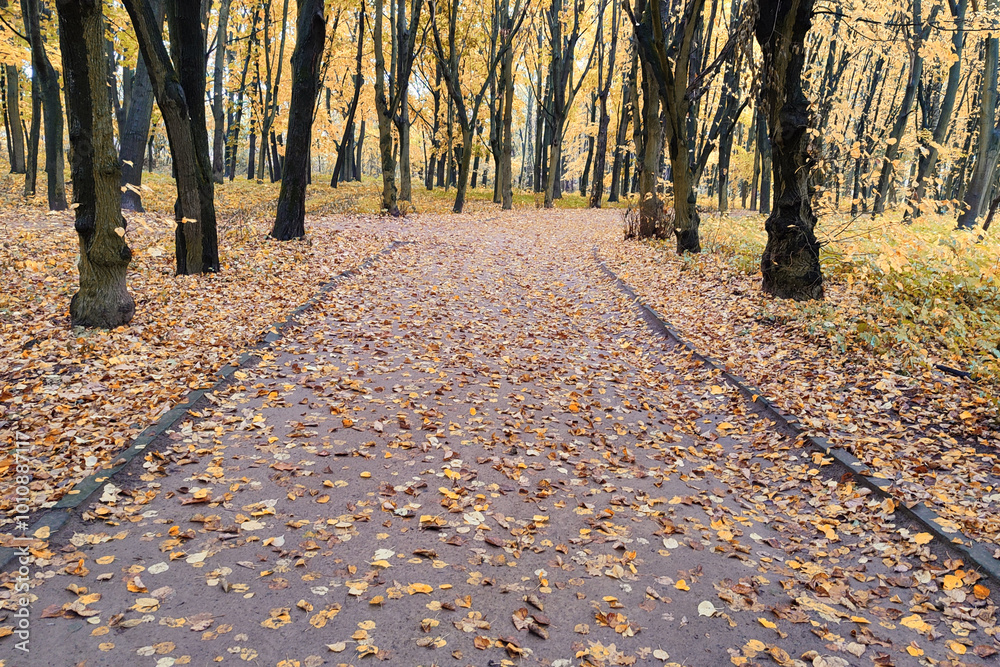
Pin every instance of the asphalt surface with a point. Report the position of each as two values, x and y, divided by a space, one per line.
476 453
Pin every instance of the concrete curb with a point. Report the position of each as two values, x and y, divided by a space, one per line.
57 516
970 550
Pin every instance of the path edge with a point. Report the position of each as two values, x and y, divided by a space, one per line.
972 550
58 515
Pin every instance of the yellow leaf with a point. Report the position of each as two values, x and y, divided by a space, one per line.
766 623
681 585
922 538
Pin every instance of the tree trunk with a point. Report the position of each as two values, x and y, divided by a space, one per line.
103 299
310 36
52 114
790 263
341 170
137 120
358 152
218 95
463 170
384 115
585 175
505 175
15 135
650 148
622 134
180 96
604 88
31 170
899 125
988 146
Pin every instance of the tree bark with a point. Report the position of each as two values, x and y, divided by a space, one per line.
310 36
988 146
505 176
31 168
790 263
621 136
103 299
137 121
218 95
52 114
604 88
885 178
180 96
15 135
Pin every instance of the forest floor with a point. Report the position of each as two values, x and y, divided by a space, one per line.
476 452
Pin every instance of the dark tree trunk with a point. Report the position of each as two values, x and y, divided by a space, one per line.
341 170
504 176
604 88
52 113
15 134
253 153
790 264
233 140
103 299
618 181
180 95
218 95
310 37
987 148
892 149
585 175
31 169
137 120
360 145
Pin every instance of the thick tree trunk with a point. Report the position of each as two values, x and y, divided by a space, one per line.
649 152
790 264
52 113
218 96
309 39
15 135
103 299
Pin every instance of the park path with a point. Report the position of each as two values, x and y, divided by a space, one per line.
475 453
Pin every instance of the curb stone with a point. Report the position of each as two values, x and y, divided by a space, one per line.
977 553
59 514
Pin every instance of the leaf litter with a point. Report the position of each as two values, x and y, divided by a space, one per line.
548 484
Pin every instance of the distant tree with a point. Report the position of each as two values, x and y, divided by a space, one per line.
103 299
48 89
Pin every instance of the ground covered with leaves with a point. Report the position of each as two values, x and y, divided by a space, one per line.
476 453
73 398
859 368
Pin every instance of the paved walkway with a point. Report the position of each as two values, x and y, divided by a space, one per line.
475 453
